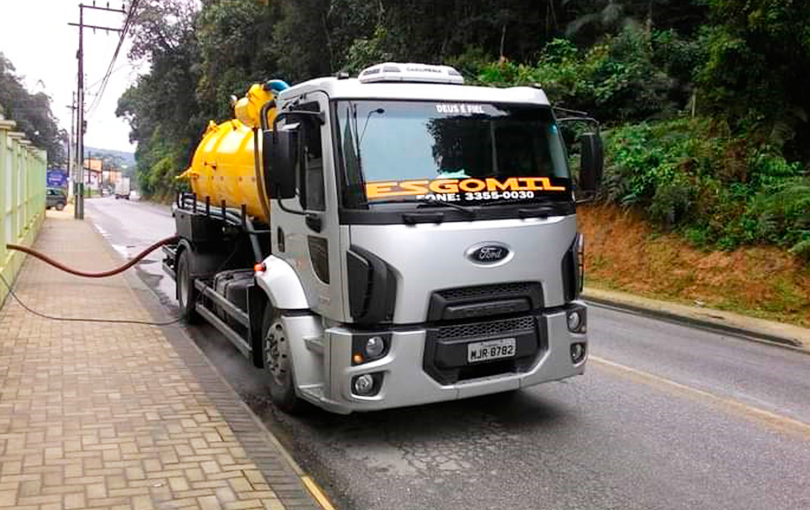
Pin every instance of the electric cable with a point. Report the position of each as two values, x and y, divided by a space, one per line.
127 23
103 274
76 272
89 88
81 319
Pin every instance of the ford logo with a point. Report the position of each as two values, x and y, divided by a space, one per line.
488 254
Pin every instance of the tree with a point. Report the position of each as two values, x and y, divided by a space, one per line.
432 31
161 107
301 40
33 114
758 69
235 40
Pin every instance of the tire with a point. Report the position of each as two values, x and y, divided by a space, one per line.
278 362
186 291
60 206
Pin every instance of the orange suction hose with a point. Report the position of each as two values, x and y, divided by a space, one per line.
103 274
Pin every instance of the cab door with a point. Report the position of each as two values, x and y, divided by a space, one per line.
305 227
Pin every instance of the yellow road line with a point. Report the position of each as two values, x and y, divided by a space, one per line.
771 419
317 493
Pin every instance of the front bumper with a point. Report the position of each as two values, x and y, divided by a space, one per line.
406 382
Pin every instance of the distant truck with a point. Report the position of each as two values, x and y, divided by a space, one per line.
389 240
122 188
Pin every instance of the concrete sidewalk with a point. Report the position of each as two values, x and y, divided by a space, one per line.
740 325
97 415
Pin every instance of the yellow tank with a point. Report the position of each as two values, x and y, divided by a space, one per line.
223 167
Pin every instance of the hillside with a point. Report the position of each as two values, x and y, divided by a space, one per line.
118 159
623 252
127 157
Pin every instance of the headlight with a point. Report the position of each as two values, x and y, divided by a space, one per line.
374 347
368 347
574 320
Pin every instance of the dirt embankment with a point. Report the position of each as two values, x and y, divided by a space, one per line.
623 252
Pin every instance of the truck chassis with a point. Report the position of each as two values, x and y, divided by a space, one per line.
236 310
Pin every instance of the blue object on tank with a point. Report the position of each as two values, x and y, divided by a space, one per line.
277 85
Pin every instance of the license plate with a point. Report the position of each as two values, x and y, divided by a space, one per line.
491 349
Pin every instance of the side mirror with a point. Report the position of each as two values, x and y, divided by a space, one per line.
280 160
592 160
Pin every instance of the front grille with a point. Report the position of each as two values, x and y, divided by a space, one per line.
487 290
494 299
483 329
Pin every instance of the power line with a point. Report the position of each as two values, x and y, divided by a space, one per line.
100 80
127 23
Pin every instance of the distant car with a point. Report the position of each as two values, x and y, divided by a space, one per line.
55 198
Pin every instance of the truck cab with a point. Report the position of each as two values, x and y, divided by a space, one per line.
422 242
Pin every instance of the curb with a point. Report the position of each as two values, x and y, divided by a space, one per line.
758 330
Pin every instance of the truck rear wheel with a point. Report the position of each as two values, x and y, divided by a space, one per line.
278 362
186 291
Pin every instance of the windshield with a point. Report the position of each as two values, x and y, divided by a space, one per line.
470 153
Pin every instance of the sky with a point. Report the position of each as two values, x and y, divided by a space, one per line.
36 38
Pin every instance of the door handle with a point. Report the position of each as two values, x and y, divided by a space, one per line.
280 240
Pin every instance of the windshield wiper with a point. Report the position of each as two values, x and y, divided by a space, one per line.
436 203
426 202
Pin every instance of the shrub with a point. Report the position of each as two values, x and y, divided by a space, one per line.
648 160
616 80
802 250
716 189
782 213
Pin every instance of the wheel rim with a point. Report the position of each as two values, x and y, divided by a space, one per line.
184 290
277 353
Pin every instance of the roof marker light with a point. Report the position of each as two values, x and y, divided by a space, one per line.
422 73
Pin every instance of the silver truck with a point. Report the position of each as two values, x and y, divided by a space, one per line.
421 246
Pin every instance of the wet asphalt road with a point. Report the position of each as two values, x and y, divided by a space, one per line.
667 417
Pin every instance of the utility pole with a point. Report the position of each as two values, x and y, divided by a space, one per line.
72 149
82 126
78 207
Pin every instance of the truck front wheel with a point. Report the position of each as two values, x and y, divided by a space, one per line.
186 292
278 362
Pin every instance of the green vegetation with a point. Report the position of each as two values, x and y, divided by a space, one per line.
693 175
703 103
32 113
